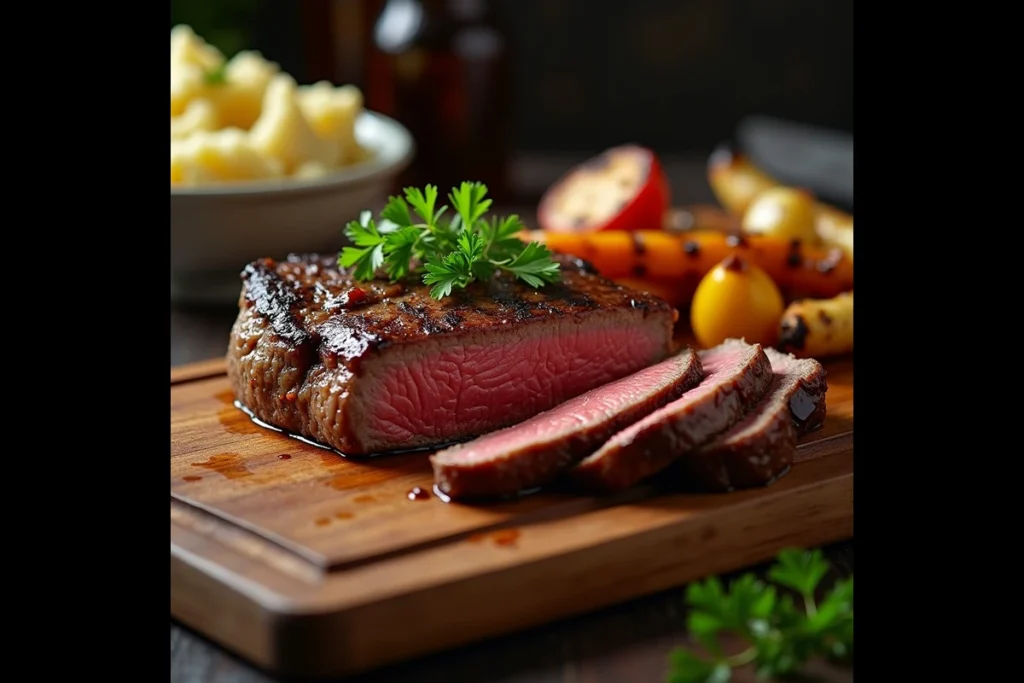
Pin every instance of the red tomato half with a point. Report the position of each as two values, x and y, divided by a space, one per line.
623 188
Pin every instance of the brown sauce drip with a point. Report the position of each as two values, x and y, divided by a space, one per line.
344 515
229 419
364 498
191 477
228 465
323 521
504 538
284 456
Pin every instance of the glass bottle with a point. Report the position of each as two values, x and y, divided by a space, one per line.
441 68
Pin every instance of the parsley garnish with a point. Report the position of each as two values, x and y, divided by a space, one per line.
781 637
414 237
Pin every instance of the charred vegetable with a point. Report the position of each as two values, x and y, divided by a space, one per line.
624 188
681 260
818 328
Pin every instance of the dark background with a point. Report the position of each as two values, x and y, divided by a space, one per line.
678 75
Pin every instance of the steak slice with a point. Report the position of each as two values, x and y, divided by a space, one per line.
374 367
760 448
737 374
807 403
532 453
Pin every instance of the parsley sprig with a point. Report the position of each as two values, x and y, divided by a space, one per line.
413 236
781 636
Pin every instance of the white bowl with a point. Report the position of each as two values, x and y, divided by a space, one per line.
218 229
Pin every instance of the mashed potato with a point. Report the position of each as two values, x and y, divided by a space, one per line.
244 119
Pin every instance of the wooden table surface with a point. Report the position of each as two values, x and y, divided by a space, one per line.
628 643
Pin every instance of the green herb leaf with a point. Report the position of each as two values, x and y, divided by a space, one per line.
399 250
370 256
534 265
423 203
469 200
455 270
782 637
396 211
412 236
689 668
801 570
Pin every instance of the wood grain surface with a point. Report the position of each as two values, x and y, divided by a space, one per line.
305 562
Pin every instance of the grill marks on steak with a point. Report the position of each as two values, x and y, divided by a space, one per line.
737 375
373 367
534 452
760 447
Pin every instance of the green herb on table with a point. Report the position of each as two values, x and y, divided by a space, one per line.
413 236
780 635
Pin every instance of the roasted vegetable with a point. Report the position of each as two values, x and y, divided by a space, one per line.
736 182
683 259
701 217
835 227
818 328
783 212
736 299
624 188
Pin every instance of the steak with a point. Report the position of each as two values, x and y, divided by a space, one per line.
761 447
737 375
532 453
807 402
374 367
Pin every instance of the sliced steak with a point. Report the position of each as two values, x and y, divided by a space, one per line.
760 448
807 403
374 367
532 453
736 376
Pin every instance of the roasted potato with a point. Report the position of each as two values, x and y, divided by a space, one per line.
818 328
737 182
784 212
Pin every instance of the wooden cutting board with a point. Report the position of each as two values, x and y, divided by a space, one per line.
309 564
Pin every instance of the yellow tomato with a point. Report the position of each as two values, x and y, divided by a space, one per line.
785 212
736 299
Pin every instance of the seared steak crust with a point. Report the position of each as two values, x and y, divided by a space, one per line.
306 334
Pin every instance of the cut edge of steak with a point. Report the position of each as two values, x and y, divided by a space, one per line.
533 453
760 448
737 375
807 404
370 368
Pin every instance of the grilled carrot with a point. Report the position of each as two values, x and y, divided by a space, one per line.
683 259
